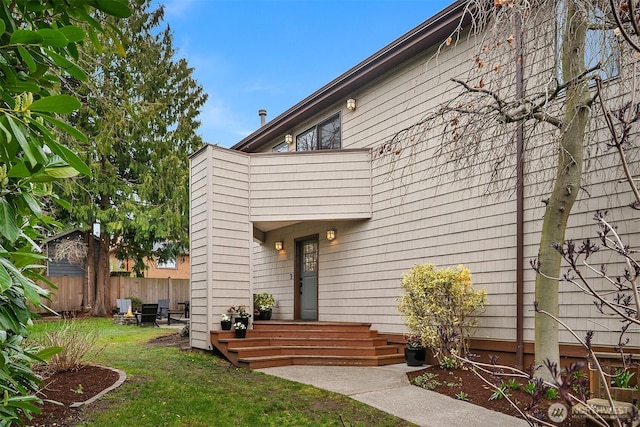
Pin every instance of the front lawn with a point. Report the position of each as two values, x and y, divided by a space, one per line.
170 387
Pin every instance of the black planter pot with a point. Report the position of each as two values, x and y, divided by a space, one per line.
415 356
226 326
241 333
264 315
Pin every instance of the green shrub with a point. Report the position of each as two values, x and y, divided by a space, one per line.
263 301
136 303
441 307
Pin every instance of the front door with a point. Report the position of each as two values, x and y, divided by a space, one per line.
307 254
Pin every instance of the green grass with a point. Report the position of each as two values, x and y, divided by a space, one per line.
169 387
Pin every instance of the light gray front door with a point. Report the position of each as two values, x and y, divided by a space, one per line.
308 258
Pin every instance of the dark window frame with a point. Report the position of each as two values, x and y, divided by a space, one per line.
276 148
312 138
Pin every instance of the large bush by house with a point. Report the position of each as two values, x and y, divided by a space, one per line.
441 307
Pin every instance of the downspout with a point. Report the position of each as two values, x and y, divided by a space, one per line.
519 205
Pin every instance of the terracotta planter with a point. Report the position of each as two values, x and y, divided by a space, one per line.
415 356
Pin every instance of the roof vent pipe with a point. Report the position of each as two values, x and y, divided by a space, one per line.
263 115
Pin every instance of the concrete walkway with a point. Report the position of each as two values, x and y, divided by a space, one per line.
387 389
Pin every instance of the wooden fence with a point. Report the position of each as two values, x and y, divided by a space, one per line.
68 296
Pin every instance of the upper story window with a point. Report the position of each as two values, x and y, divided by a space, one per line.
601 44
323 136
282 147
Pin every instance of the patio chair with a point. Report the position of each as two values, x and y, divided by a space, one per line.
163 308
123 305
147 315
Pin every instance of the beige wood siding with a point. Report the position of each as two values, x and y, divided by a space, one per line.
311 186
220 238
419 216
200 206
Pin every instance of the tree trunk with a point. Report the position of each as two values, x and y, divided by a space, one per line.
88 287
566 186
100 307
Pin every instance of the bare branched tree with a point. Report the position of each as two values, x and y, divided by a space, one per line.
545 78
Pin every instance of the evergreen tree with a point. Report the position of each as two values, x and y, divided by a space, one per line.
140 113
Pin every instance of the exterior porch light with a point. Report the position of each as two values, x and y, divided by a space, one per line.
288 138
331 234
351 104
279 245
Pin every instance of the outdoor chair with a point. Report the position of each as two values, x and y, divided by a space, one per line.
163 308
123 305
147 315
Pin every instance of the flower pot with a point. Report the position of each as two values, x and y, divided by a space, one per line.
242 319
226 326
415 356
241 333
264 315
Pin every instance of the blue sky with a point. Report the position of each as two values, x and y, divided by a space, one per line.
271 54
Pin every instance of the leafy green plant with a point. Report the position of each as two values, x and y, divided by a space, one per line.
551 393
622 378
414 341
136 303
462 396
78 390
441 306
512 384
184 332
38 47
263 301
427 381
500 392
529 387
448 363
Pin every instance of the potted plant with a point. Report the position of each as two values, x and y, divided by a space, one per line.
225 322
263 305
415 352
239 313
621 388
241 329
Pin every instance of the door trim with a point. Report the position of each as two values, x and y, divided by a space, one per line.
297 275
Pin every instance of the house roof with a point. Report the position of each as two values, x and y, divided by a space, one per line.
65 234
434 30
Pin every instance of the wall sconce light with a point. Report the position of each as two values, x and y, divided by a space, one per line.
351 104
331 234
288 138
279 245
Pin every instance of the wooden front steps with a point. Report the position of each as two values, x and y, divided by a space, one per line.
280 343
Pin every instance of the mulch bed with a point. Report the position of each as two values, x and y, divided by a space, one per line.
80 385
453 381
70 387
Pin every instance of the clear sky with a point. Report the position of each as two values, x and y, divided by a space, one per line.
253 54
